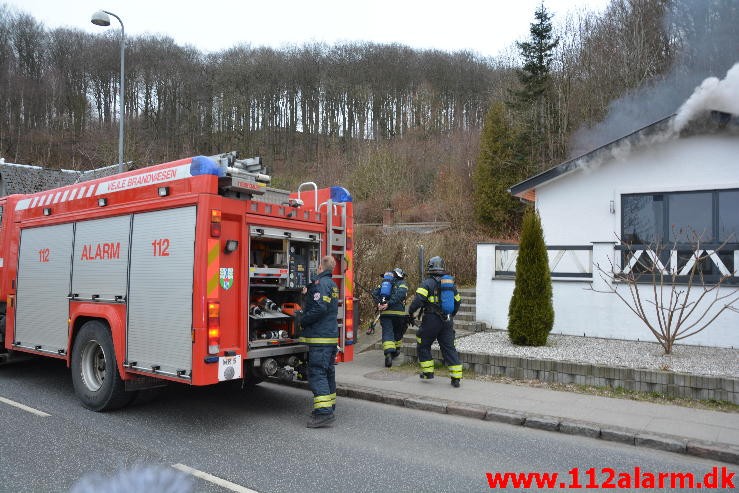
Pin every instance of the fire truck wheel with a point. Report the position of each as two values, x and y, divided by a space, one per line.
94 370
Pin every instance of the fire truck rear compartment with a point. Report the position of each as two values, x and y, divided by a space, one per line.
281 263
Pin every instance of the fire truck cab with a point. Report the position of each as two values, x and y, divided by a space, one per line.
189 271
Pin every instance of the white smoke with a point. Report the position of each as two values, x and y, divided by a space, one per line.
712 94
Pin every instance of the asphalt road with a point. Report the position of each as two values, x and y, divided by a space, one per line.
256 440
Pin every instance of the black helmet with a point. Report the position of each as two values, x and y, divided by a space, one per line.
435 265
399 273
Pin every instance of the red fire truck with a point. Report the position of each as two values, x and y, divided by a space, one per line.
189 271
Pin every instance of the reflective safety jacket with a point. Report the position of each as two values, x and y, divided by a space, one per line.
320 312
428 297
396 302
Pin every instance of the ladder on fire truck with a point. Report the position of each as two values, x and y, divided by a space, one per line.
336 246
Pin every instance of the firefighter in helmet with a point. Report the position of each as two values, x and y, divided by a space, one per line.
321 334
436 323
390 296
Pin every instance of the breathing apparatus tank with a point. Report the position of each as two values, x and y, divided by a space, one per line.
386 287
446 286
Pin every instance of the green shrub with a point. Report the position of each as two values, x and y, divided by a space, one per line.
531 314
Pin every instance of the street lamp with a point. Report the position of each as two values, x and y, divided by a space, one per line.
102 18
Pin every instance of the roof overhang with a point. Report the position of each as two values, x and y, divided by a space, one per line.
710 122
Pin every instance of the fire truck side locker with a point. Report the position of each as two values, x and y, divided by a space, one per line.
160 298
44 275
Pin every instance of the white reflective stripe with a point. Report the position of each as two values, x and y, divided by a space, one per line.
2 261
64 195
213 479
89 191
48 199
143 179
22 205
81 192
73 194
24 407
34 202
56 197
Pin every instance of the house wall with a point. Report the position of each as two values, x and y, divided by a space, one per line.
575 208
578 310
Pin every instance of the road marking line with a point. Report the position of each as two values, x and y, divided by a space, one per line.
24 407
213 479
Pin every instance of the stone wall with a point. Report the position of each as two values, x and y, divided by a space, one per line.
640 380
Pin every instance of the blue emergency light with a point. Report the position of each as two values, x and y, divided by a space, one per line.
202 165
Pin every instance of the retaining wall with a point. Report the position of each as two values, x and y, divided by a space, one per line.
640 380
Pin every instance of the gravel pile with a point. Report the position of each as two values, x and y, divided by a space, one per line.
696 360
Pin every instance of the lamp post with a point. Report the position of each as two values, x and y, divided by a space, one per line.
102 18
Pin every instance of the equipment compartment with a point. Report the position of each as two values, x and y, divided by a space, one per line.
281 263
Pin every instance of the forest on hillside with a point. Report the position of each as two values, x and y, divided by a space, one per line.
399 127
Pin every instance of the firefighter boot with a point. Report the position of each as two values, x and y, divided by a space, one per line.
320 420
455 382
388 360
427 375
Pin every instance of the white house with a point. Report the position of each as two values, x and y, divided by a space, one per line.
653 185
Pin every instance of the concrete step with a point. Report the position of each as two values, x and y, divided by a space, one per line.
464 316
470 326
467 292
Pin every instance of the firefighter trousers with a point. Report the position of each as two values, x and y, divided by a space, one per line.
393 330
322 377
434 328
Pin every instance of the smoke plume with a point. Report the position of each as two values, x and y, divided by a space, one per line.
712 94
709 32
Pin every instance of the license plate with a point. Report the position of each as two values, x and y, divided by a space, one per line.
229 367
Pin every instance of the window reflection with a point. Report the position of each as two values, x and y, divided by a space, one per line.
728 216
642 218
690 217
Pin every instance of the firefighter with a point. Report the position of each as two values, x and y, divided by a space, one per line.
321 333
393 317
435 324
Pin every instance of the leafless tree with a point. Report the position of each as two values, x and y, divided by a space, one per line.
673 290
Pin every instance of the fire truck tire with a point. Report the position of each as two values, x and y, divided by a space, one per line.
95 371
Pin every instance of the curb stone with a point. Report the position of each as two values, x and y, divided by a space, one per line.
582 428
546 423
620 435
466 410
505 416
662 443
711 451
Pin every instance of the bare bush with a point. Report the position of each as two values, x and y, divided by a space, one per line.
675 291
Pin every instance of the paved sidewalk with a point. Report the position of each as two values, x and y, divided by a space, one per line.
709 434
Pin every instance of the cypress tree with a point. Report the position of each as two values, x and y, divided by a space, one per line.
498 168
531 313
535 102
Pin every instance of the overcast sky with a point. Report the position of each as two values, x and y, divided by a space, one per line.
483 26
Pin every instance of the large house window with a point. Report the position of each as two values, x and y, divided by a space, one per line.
678 217
676 221
728 216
